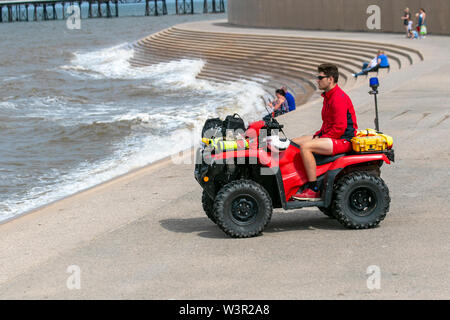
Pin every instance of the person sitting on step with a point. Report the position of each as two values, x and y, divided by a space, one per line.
280 105
290 98
380 61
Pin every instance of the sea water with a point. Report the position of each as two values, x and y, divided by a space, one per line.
74 113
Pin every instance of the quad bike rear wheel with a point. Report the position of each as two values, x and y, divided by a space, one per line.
242 209
208 206
361 200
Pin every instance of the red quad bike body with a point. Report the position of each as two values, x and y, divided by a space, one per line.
241 187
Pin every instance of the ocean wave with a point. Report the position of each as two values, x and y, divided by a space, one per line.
136 131
88 174
8 105
176 77
113 63
14 78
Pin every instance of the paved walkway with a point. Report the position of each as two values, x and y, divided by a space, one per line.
144 235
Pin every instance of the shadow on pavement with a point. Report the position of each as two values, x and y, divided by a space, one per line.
301 220
203 225
306 220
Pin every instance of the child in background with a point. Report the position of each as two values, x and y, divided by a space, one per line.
413 34
410 25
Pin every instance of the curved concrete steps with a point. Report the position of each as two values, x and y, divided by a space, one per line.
408 53
229 67
268 60
218 70
257 64
308 56
313 47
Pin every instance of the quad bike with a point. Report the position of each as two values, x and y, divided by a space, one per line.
242 184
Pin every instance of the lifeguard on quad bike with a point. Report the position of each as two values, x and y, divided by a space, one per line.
244 175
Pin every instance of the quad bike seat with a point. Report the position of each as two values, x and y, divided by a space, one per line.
321 159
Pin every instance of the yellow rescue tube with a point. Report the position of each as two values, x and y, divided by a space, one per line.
226 145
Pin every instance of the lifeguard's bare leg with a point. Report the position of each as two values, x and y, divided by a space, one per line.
301 140
320 146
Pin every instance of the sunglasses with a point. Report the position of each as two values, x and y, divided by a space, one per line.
321 77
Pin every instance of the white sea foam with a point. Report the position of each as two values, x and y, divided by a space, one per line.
133 154
113 63
14 78
104 63
141 117
7 105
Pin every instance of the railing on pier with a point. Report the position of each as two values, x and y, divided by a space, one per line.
55 9
216 6
34 10
184 6
209 6
149 9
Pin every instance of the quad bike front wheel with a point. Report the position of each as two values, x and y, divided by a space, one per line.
208 206
361 200
242 209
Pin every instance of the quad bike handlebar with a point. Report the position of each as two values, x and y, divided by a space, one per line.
273 124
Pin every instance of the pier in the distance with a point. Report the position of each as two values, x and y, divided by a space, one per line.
41 10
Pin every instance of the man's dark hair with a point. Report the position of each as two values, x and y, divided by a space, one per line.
280 91
330 70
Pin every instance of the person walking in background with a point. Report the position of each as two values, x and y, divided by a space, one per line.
380 61
289 98
406 18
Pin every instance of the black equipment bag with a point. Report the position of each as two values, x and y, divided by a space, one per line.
213 128
216 128
233 123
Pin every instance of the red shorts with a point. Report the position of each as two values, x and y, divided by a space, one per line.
341 146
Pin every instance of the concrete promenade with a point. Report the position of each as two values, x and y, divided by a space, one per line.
144 235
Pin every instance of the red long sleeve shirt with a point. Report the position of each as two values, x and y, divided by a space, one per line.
338 115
